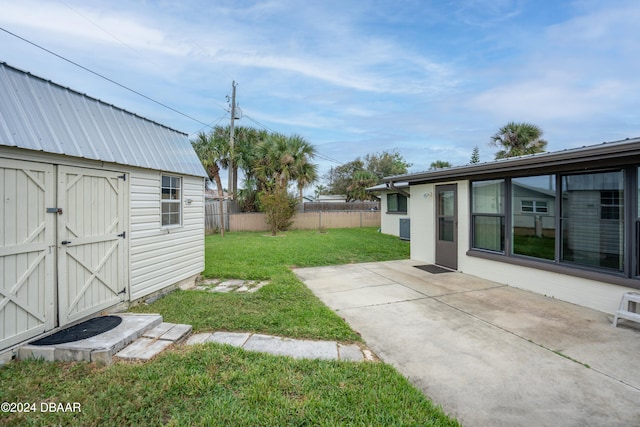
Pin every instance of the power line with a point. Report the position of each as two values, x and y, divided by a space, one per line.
103 77
99 27
210 125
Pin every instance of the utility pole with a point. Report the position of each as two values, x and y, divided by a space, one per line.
233 179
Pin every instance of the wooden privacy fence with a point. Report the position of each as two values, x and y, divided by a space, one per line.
308 220
212 213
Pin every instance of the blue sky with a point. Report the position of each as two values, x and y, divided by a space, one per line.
430 79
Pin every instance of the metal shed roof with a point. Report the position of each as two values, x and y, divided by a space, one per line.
37 114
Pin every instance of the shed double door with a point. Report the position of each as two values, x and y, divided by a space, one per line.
61 246
90 241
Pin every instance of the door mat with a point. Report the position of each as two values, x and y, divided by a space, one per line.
88 329
433 269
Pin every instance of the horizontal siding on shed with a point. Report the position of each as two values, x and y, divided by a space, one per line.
160 256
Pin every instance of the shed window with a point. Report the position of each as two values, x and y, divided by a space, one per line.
396 203
171 200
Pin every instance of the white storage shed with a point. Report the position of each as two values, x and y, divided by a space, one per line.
100 207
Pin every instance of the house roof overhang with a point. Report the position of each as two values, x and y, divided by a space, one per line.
605 155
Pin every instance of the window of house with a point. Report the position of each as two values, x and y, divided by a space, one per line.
396 203
171 200
593 219
488 215
533 206
533 219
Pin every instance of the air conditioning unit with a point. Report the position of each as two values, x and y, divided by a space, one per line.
405 229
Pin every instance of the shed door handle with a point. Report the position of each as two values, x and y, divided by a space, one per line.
66 242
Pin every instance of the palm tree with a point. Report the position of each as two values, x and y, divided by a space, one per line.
303 171
360 181
213 151
272 161
280 159
439 164
306 174
518 139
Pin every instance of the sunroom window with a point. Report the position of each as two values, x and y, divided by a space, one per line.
533 217
488 216
593 219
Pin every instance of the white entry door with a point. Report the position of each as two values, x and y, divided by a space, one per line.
27 250
91 235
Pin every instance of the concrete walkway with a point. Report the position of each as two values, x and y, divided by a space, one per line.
489 354
296 348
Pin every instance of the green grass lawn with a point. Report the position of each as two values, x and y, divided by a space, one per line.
215 384
286 307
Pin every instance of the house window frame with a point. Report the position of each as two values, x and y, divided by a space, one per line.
171 201
536 207
629 276
398 209
500 216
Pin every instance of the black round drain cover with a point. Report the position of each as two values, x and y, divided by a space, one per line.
88 329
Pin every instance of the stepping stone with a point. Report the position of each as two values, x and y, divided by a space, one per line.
143 349
299 349
168 332
350 352
198 338
237 339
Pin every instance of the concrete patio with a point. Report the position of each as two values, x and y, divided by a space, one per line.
489 354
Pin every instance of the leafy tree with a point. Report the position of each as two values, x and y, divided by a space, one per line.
339 178
346 178
475 155
518 139
439 164
387 163
213 151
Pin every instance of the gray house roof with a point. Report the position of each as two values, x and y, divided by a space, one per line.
607 154
40 115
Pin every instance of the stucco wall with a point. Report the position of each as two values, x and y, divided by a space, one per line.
390 222
600 296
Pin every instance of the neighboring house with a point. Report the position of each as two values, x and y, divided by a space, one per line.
563 224
394 208
100 207
210 194
330 198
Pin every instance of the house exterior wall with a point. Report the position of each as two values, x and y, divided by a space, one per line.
163 256
594 294
390 221
599 296
423 223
